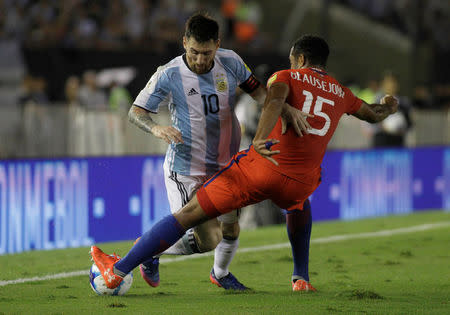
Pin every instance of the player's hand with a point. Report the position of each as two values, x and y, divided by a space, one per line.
167 133
263 148
390 101
296 118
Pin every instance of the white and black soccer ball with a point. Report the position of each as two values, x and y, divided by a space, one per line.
99 286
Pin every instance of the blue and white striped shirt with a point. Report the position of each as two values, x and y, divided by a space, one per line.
202 108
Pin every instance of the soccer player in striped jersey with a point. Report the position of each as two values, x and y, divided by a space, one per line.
199 87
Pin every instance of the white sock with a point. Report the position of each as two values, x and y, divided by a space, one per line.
223 256
179 248
184 246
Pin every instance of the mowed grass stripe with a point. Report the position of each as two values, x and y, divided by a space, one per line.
321 240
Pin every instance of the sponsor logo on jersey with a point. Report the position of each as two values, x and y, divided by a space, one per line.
192 92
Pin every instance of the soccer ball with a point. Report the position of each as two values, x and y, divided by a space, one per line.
99 286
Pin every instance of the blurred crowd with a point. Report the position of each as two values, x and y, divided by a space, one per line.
423 21
119 24
426 19
99 24
158 25
85 92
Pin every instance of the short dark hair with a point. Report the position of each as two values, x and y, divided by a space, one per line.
202 28
313 48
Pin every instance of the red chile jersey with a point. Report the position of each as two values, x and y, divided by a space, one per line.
315 92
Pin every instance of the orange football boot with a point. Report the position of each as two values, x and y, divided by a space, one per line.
105 264
302 285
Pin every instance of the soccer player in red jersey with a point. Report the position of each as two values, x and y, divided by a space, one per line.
287 175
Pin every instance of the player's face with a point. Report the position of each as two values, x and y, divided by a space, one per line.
200 56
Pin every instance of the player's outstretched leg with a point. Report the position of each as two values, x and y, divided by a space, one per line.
163 234
298 223
185 246
200 239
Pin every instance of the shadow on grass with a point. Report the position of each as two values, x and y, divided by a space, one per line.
406 253
3 299
359 294
116 305
334 259
147 295
251 262
36 283
246 292
333 309
285 258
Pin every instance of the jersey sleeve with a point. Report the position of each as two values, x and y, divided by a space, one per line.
280 76
155 93
244 77
352 102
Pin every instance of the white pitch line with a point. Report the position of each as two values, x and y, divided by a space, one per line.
321 240
47 277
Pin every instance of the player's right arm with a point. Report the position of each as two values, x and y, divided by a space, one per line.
374 113
141 118
276 97
151 97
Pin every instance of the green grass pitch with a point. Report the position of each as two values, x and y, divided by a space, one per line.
406 273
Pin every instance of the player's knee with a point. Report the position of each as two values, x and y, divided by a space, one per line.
210 241
231 231
191 214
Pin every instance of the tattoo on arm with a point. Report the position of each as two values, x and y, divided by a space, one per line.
141 119
381 111
373 113
377 108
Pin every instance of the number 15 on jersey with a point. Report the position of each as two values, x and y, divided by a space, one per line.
317 111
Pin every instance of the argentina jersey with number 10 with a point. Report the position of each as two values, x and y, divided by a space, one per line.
202 108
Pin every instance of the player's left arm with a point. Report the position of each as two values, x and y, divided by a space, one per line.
374 113
273 106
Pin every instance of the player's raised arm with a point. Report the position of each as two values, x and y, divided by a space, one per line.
374 113
273 106
141 118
